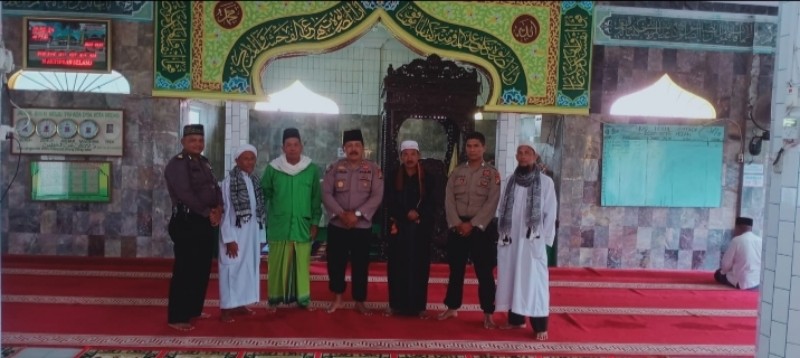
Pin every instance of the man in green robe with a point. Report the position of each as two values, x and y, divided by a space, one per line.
291 186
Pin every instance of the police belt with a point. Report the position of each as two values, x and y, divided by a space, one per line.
465 218
182 210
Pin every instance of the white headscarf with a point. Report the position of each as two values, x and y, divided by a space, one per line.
245 148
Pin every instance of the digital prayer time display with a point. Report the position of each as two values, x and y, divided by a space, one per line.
74 44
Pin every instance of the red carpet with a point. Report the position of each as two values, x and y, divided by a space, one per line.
122 303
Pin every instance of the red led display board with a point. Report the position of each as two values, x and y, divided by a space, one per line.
73 44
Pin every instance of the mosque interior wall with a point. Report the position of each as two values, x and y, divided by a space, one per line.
134 223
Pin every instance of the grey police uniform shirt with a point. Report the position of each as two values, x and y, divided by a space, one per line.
350 189
472 193
191 182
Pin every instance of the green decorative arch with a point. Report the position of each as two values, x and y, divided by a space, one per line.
197 56
347 21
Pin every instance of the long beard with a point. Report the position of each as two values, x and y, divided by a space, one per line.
523 169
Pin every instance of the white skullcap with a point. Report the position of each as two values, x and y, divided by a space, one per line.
409 144
526 143
244 148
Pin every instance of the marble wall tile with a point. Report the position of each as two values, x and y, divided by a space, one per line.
629 237
671 259
80 222
674 218
144 223
97 245
587 239
645 217
657 258
698 259
72 245
599 257
129 198
48 244
641 259
113 224
24 220
591 192
658 238
685 259
572 258
586 257
614 258
686 239
700 239
601 237
616 238
644 238
587 217
128 246
688 217
630 217
144 246
21 243
48 223
113 246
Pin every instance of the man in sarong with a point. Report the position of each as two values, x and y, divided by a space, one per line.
291 185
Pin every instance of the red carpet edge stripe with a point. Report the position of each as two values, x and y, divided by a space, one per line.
374 279
116 301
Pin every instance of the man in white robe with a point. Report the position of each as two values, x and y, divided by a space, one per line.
526 226
741 263
242 231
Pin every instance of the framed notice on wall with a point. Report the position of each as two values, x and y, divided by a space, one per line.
68 131
662 165
71 181
74 44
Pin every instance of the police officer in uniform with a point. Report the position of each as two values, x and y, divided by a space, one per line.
352 190
196 213
471 198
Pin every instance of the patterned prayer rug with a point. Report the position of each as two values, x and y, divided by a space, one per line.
119 353
9 351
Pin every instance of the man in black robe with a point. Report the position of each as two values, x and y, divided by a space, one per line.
411 216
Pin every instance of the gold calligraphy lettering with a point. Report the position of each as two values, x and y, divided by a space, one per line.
441 34
310 28
174 37
575 61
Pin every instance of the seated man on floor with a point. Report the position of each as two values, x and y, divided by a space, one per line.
741 263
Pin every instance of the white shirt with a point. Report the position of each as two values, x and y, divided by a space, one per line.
741 263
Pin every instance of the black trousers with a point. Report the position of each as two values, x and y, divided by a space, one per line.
408 268
719 277
539 323
352 244
479 247
194 239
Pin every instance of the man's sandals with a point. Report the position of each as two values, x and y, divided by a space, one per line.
184 327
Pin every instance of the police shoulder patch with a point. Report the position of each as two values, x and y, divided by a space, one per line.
497 178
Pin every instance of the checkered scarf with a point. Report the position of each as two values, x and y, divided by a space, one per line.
241 198
526 177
